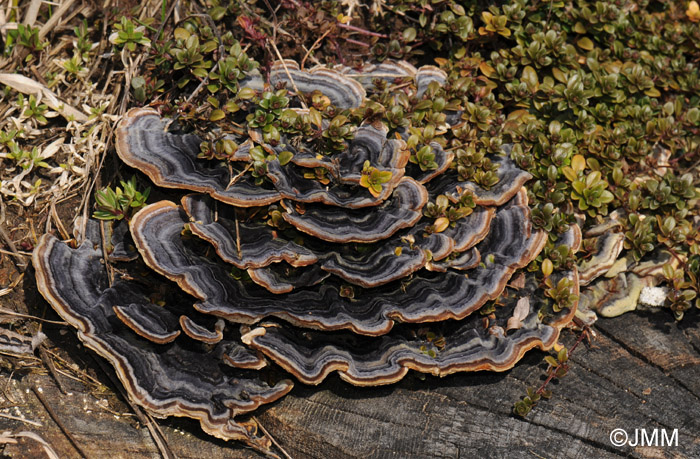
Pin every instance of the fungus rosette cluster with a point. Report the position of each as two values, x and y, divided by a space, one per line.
371 268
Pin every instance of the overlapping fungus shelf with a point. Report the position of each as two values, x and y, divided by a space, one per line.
349 255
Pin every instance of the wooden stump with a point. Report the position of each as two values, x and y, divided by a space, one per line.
641 372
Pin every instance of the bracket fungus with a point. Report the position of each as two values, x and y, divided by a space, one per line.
616 284
169 377
349 259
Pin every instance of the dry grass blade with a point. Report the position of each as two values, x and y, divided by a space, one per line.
31 87
32 12
55 17
7 437
17 418
289 75
27 316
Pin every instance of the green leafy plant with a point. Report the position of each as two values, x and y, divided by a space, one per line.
27 159
26 36
640 238
558 367
373 179
82 35
128 35
33 109
591 194
560 293
121 202
424 158
681 291
74 65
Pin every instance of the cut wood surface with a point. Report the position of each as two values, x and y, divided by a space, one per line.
642 371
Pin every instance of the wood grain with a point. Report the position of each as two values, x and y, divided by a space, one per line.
641 372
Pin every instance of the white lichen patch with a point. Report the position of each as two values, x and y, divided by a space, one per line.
653 296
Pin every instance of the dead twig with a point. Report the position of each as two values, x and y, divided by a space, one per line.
7 437
58 422
143 417
361 31
238 236
357 42
81 377
272 439
310 50
238 176
27 316
289 75
52 369
105 255
12 285
57 221
17 418
273 43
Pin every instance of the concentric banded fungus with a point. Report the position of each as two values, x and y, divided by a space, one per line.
342 91
613 297
173 379
510 181
387 70
369 143
383 257
606 248
237 355
392 70
120 246
201 333
511 244
244 245
375 267
153 322
617 294
440 349
335 224
443 160
170 160
281 278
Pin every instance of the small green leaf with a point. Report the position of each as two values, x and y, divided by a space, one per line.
316 117
246 93
585 43
284 157
530 78
409 34
563 355
569 173
217 115
181 33
652 92
547 267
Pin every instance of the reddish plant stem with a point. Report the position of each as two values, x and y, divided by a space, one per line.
361 30
356 42
552 373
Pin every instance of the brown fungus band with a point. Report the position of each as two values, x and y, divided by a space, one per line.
338 244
